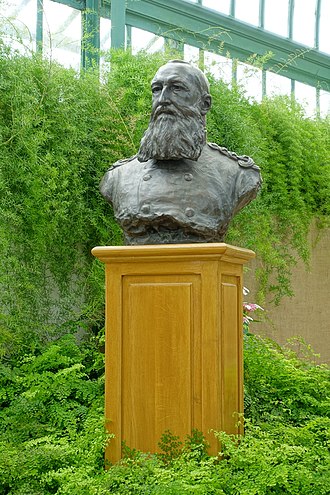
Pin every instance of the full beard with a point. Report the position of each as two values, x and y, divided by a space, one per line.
173 135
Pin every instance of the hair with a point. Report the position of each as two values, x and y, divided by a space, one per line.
200 77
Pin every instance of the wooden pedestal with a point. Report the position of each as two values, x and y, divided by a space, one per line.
173 342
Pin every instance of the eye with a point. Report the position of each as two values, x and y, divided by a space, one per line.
156 89
177 87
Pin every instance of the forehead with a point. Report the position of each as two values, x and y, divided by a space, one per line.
178 72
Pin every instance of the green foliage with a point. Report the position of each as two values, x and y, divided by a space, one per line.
52 435
282 451
267 460
54 149
291 389
170 446
59 132
51 417
277 459
292 152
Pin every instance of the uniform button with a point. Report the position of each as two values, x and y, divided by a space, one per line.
189 212
188 177
145 209
147 177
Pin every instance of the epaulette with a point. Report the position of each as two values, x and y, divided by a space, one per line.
119 163
242 160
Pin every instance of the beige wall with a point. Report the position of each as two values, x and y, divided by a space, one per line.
307 313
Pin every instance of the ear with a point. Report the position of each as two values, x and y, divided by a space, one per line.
206 102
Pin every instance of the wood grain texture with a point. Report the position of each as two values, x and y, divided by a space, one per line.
173 342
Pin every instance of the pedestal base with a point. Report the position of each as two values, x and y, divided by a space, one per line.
173 342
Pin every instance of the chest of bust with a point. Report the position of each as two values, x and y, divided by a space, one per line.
187 192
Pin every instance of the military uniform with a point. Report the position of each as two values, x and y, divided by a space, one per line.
181 201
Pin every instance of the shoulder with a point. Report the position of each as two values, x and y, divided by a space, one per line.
119 173
122 162
241 169
125 166
243 161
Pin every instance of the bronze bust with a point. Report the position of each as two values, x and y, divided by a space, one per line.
178 188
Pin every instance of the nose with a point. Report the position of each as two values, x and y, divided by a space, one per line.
164 97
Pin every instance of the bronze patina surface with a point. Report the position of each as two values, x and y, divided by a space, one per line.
179 188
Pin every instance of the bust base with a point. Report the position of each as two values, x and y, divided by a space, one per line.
174 343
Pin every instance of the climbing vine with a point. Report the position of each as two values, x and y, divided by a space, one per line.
59 132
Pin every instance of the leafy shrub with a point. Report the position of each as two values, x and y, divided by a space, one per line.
52 436
51 416
280 385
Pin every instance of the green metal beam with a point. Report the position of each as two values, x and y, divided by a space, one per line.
290 18
204 28
317 24
90 41
40 25
118 11
75 4
264 83
318 102
233 8
191 23
262 13
129 38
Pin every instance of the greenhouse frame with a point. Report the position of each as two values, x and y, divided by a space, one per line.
298 53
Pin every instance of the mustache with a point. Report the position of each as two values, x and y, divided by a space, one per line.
176 111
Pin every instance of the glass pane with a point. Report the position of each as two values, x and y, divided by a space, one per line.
247 11
191 54
250 78
277 85
143 40
304 22
19 20
105 43
276 16
324 27
306 95
62 34
218 5
220 67
324 103
105 34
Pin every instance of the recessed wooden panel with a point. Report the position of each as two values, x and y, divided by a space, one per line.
231 352
158 342
211 391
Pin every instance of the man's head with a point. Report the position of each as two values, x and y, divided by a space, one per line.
180 101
